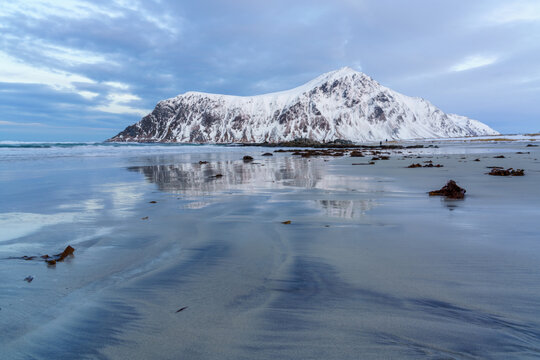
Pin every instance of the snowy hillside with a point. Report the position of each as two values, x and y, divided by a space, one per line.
342 104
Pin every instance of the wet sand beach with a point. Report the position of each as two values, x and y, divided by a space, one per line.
174 262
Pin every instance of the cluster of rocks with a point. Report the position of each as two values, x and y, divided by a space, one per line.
498 171
336 144
428 165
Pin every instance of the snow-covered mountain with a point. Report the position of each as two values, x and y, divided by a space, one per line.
342 104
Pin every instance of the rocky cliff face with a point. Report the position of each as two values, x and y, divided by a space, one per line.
343 104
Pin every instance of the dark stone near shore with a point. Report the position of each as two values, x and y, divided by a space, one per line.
531 145
247 158
412 166
267 154
356 153
286 222
29 278
451 190
499 157
507 172
152 202
203 162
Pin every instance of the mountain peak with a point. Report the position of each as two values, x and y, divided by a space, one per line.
340 104
338 74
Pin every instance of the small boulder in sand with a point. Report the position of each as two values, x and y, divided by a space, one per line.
247 158
451 190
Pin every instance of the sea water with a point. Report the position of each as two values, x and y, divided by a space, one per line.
369 267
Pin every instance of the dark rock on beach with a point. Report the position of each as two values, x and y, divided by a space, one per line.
507 172
451 190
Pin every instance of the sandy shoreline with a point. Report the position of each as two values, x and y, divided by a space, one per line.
370 266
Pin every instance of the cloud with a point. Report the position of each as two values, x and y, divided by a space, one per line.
41 9
13 123
516 11
473 62
117 85
13 70
118 103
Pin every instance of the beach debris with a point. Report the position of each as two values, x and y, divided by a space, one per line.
29 278
267 154
247 158
144 218
430 165
67 251
507 172
50 260
202 162
152 202
499 157
286 222
451 190
181 309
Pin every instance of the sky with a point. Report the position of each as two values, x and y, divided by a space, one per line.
84 70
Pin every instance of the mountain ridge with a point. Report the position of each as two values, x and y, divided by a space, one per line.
341 104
